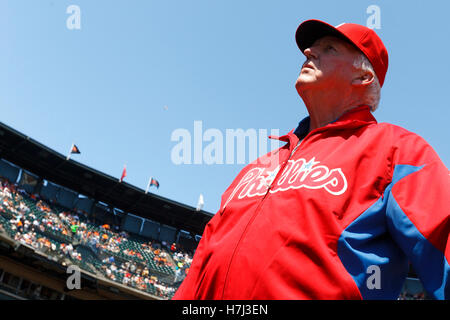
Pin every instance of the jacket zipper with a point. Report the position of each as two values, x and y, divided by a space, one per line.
256 213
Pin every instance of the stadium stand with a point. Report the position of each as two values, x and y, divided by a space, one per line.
131 260
74 215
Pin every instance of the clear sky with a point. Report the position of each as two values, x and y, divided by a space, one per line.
136 71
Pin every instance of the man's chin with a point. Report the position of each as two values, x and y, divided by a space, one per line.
303 83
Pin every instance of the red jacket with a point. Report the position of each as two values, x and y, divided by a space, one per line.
339 217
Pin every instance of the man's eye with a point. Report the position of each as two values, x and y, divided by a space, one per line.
330 47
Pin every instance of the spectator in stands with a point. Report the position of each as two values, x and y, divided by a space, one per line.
23 208
74 228
132 267
19 226
113 267
126 280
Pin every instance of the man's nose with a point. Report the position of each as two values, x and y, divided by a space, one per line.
309 53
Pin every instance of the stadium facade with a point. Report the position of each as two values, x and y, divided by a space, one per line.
38 178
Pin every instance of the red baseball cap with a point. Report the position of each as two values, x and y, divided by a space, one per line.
365 39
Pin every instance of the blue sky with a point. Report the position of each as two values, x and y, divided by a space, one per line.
138 70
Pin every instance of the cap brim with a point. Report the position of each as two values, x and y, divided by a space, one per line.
311 30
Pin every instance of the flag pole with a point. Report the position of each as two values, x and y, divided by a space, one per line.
200 203
70 151
148 185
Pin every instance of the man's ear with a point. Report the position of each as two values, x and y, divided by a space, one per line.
365 78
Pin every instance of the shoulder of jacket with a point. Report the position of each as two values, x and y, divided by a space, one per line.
396 132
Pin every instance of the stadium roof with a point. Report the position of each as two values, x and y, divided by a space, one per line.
48 164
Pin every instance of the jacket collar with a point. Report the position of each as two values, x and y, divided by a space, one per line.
353 118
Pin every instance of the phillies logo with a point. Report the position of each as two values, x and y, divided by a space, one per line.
297 174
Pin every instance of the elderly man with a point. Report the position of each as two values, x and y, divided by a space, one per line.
341 209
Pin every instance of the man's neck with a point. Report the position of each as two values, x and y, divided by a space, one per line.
325 107
321 119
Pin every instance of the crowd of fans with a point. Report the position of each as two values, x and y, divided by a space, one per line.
182 261
45 245
128 273
39 227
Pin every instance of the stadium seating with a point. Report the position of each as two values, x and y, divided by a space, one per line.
53 235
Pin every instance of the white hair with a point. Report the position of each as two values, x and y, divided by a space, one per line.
373 93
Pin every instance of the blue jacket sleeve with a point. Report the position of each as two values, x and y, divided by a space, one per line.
417 212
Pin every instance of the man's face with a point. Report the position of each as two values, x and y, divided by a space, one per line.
329 64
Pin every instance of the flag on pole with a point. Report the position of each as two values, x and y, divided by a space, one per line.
152 182
124 173
200 203
73 149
